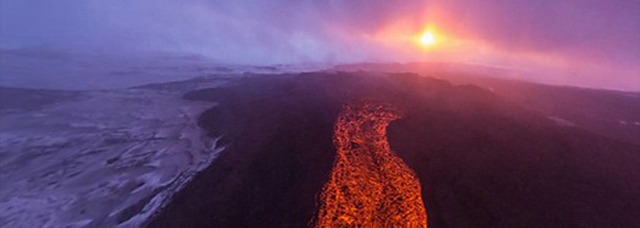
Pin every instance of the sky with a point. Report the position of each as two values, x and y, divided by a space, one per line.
594 43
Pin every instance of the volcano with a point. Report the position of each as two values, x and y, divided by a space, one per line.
333 149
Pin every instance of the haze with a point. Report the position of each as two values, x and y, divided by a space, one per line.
591 43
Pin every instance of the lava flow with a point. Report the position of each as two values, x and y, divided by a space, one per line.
369 185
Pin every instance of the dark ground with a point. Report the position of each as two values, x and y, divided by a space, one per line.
598 111
482 160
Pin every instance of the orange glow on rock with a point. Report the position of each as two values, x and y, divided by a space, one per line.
369 185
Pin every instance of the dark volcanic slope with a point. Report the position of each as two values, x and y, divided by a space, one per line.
481 161
612 114
608 113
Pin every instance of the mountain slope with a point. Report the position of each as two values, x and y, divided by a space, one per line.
481 160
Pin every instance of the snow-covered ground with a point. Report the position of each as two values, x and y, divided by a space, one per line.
107 153
56 69
101 158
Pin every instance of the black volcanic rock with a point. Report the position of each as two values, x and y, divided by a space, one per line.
481 161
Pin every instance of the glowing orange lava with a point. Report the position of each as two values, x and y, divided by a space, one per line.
369 185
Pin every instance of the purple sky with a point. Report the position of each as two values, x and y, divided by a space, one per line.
596 42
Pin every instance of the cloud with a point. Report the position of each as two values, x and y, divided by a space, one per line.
294 31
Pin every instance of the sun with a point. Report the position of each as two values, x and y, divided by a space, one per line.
428 39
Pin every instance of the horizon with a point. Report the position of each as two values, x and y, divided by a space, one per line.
320 113
590 43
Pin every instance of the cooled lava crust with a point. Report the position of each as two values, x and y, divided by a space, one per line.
480 161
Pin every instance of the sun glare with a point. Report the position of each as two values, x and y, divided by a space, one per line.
428 39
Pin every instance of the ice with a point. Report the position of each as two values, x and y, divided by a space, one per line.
103 158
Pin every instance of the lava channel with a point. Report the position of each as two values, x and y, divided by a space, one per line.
369 185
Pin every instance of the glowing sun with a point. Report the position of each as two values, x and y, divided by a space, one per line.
428 39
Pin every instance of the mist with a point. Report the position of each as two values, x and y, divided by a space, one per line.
585 43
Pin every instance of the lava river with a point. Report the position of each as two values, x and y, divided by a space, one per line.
369 185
